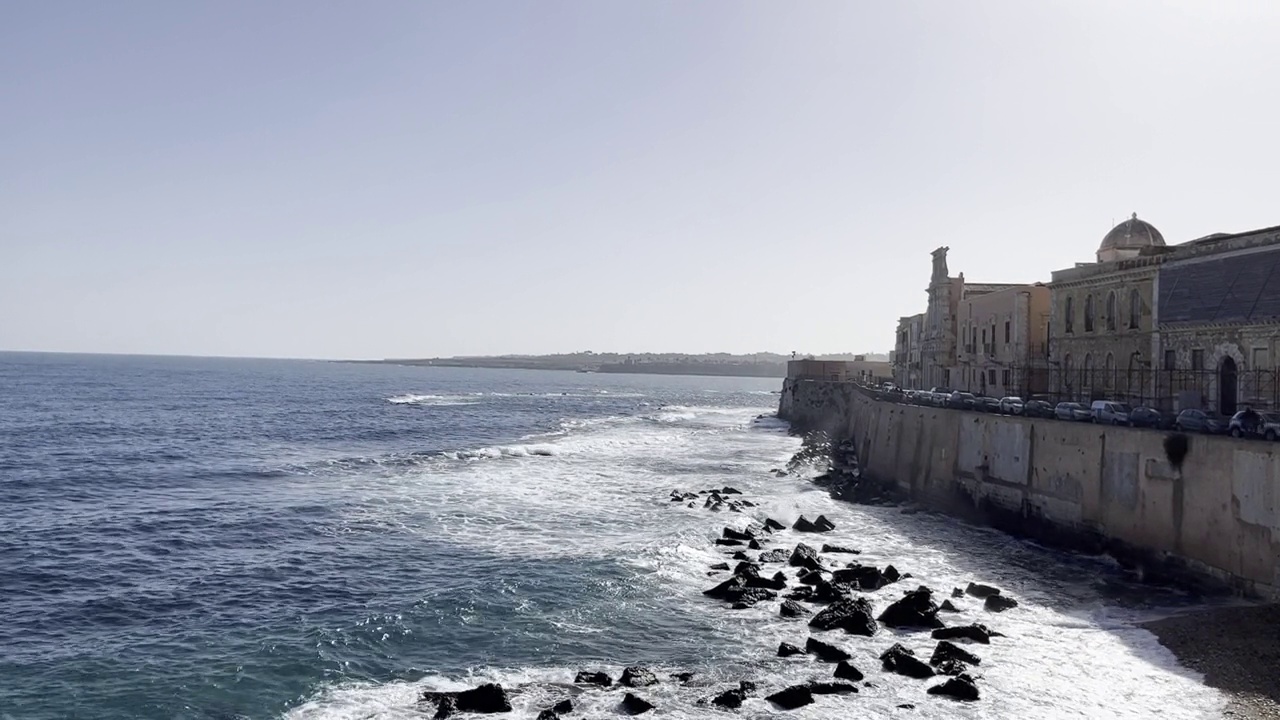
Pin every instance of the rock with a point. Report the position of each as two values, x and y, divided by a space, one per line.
999 603
746 503
950 651
840 549
548 714
726 490
772 525
804 524
792 697
633 705
830 688
793 609
691 505
727 590
823 524
734 534
948 606
976 633
906 706
753 595
829 592
810 577
845 671
593 678
746 686
915 609
787 650
754 545
746 569
804 592
981 591
903 661
564 706
445 706
960 687
862 577
638 676
853 615
728 542
891 574
717 507
778 555
720 566
773 583
488 698
806 557
683 677
957 593
739 556
824 651
731 699
950 667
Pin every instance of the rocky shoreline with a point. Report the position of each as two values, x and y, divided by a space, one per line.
809 582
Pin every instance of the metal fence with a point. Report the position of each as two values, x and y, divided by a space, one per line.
1168 390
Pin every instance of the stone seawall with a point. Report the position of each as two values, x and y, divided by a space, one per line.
1083 486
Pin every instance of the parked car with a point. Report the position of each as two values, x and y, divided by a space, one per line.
1191 420
1108 412
1246 423
939 396
1038 409
1011 405
987 404
1270 426
1072 411
961 400
1146 417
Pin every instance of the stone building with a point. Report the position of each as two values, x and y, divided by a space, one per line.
906 352
1218 322
938 333
1003 335
1102 341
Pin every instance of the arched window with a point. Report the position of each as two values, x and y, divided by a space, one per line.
1108 378
1087 370
1135 309
1088 313
1069 316
1068 380
1111 310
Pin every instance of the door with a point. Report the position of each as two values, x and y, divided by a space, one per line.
1227 387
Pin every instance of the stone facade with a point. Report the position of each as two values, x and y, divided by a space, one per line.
1003 336
938 335
907 368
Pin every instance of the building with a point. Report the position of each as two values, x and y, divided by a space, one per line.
906 353
1102 341
859 369
1003 341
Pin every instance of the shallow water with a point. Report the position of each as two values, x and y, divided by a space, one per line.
186 538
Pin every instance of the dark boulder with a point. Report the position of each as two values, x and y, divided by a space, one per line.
951 667
740 555
957 593
845 671
717 507
960 687
829 592
746 569
728 542
754 545
792 697
805 557
915 609
999 603
731 699
793 609
786 649
735 534
726 490
779 555
804 592
830 688
548 714
728 590
862 577
632 705
948 606
976 633
746 686
772 525
903 661
638 676
890 573
840 549
981 591
683 677
804 524
825 652
488 698
446 706
720 566
593 678
853 615
564 706
823 524
773 583
810 577
947 650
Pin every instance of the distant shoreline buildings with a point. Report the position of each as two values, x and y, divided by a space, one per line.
1172 326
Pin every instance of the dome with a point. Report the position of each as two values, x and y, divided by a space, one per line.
1132 235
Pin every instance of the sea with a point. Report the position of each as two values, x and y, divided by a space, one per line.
228 538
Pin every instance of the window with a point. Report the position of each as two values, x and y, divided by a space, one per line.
1170 359
984 336
1069 315
1088 313
1259 358
1110 374
1111 311
1006 332
991 376
1004 378
1197 359
1135 310
1087 370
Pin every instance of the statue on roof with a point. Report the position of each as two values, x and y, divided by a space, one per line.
940 272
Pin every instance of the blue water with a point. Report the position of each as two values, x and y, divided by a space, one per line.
216 538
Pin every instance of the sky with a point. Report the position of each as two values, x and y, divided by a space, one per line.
413 179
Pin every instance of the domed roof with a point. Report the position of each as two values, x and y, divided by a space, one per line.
1132 234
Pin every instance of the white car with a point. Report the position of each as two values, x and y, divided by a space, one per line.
1011 405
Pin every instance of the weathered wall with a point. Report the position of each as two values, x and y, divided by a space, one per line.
1098 488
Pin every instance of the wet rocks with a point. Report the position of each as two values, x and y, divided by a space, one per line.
792 697
948 606
957 593
960 687
865 577
810 577
732 534
786 649
729 589
853 615
446 706
729 542
487 698
720 566
845 671
593 678
726 490
793 609
746 569
915 609
890 574
778 555
777 582
633 705
638 676
548 714
830 688
999 603
773 525
739 556
731 699
976 633
903 661
564 706
821 524
981 591
754 544
683 677
825 652
947 650
840 549
805 557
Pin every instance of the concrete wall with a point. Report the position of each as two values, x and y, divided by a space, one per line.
1093 487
